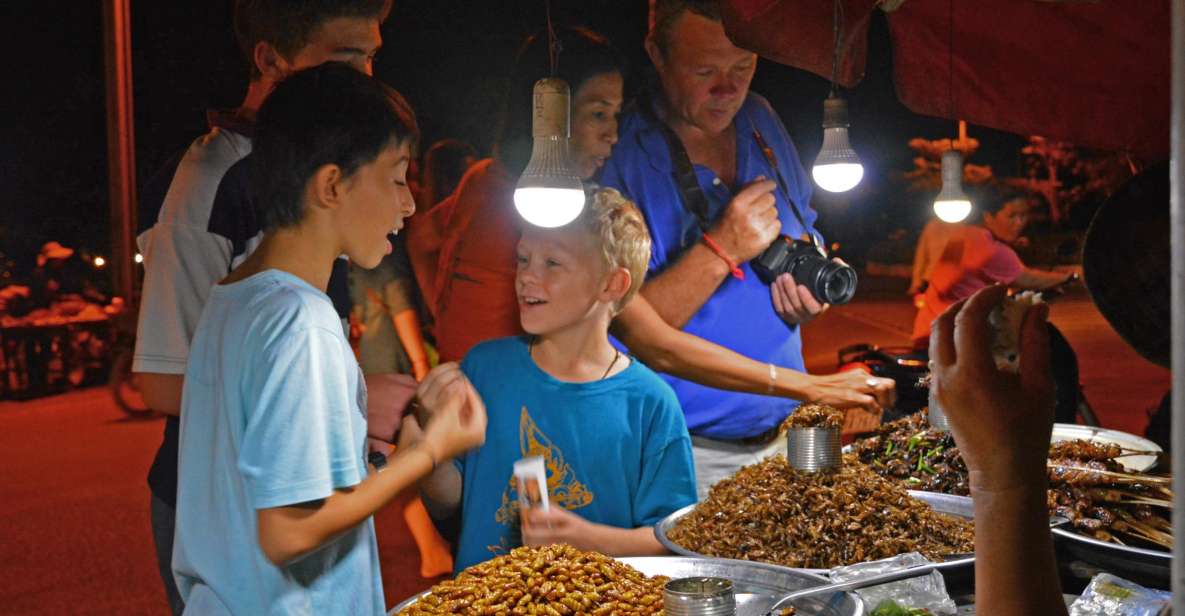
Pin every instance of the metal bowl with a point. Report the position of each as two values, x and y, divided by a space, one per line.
758 585
942 503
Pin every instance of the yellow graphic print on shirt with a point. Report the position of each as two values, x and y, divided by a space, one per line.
562 487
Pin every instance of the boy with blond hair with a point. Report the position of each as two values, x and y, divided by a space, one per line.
611 433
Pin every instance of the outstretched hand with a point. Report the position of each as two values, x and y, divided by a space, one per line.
1001 421
854 389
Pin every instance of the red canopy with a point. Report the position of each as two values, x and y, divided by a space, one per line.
1092 73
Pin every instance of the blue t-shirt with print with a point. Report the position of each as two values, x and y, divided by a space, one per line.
273 415
617 449
740 314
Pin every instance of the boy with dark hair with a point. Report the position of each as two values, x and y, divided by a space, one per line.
187 247
275 498
612 435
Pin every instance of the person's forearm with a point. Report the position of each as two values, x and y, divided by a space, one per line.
441 491
613 541
666 349
1039 280
1015 571
288 533
407 326
683 288
162 392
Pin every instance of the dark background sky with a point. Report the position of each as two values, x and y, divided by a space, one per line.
446 56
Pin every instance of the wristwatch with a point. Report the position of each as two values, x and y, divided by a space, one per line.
377 460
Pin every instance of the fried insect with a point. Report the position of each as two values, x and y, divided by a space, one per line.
770 512
552 580
908 450
814 416
1084 450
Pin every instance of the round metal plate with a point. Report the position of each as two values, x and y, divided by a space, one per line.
1133 464
758 585
943 503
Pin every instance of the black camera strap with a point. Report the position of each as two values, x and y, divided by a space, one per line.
690 193
692 196
772 159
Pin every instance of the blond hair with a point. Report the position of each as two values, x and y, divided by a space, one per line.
620 232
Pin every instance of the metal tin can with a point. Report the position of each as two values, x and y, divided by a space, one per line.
813 449
699 596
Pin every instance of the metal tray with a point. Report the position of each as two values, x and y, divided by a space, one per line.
943 503
758 585
1121 560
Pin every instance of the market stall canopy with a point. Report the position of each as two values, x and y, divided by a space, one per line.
1091 73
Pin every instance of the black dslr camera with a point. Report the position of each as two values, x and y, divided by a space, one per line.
831 282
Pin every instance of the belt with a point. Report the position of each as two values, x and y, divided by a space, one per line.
764 438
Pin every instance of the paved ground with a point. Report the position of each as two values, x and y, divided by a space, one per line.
73 510
1120 385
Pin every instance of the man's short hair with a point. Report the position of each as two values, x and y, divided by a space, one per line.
326 115
288 24
620 233
664 14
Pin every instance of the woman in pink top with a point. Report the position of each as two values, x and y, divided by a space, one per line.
978 256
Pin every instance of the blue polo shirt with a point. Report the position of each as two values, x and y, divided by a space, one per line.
740 315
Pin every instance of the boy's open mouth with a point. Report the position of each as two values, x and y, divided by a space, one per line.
531 301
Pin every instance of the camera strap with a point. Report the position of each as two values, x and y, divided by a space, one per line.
692 196
772 159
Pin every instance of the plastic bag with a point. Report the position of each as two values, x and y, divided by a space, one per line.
1108 595
925 591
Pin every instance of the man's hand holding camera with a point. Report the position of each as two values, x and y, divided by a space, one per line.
750 222
794 302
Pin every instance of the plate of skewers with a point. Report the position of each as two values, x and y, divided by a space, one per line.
1119 515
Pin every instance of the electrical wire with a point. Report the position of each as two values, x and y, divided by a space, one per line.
553 42
950 84
837 54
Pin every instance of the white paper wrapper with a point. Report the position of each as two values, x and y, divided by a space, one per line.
1007 319
530 476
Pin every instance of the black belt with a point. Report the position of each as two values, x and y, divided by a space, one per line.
764 438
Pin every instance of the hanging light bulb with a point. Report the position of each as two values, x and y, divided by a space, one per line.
549 193
837 168
951 204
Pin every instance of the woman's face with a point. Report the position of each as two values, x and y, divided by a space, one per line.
595 108
1008 223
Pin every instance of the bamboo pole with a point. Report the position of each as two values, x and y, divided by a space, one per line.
121 145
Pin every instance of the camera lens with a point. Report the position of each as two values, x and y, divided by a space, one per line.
838 283
831 282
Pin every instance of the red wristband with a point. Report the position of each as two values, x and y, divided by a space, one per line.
733 268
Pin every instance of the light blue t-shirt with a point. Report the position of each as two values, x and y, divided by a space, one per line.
740 314
617 449
273 414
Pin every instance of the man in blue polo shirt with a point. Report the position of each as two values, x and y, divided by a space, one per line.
700 278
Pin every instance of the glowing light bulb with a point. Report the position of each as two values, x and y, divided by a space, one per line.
837 168
952 204
139 258
549 193
100 261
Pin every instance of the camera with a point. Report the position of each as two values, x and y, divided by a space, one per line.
831 282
